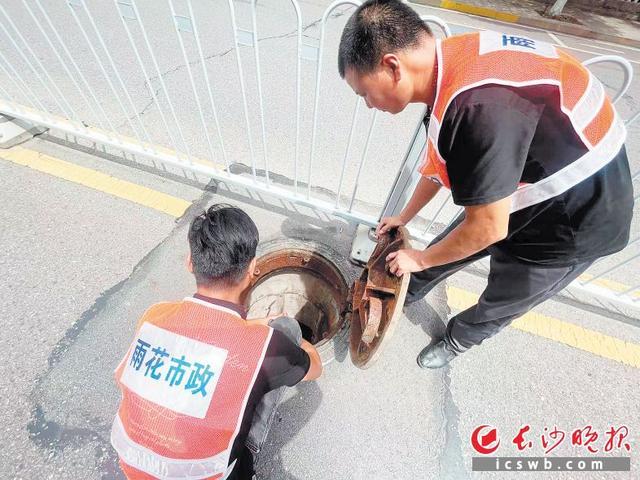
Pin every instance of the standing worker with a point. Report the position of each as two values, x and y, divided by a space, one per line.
200 384
528 143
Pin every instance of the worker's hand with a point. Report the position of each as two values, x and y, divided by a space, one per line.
266 320
406 260
387 223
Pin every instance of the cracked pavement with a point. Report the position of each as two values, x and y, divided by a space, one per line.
79 267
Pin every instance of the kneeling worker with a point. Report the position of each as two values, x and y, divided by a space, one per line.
200 383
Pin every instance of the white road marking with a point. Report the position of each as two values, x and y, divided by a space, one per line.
601 48
557 40
601 42
597 53
464 25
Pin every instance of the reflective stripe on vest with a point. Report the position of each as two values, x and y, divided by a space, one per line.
149 462
185 384
472 60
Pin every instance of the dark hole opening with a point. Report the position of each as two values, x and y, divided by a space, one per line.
301 294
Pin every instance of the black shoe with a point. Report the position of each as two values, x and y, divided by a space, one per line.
436 356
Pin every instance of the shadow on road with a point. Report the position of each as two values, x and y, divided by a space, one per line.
292 415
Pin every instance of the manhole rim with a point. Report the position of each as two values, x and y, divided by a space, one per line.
332 260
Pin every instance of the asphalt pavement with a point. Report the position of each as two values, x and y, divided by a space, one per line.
80 266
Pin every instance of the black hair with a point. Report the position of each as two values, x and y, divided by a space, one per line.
376 28
223 242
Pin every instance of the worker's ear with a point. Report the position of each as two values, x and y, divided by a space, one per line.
189 263
250 274
391 63
252 268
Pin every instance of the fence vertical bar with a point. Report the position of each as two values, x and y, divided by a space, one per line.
162 84
62 62
102 69
7 95
437 214
256 52
298 87
234 26
347 151
364 158
39 63
634 117
154 95
316 101
75 65
206 79
30 65
115 70
193 83
18 86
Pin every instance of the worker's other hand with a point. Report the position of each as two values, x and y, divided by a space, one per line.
266 320
406 260
387 223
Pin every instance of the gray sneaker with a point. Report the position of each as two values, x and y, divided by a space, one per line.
436 356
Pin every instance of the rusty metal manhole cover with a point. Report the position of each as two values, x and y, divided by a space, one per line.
377 301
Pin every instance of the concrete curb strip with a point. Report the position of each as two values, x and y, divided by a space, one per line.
543 23
13 131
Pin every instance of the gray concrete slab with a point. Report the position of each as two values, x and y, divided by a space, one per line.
62 248
71 326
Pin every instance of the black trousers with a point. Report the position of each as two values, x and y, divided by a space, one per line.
513 289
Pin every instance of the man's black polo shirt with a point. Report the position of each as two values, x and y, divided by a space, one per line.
493 137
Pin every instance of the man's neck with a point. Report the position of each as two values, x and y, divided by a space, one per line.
232 295
423 68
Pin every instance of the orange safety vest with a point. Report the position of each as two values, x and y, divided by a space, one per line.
482 58
185 384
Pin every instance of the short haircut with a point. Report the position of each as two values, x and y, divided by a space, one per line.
223 242
376 28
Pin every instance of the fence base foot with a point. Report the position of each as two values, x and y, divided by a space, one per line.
14 131
363 244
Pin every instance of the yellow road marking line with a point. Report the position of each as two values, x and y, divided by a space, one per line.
480 11
97 181
559 331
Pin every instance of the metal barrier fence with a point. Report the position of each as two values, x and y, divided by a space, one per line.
24 103
69 65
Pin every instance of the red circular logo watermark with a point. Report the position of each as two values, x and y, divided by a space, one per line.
485 439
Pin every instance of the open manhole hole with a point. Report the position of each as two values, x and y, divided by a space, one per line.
308 286
305 285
